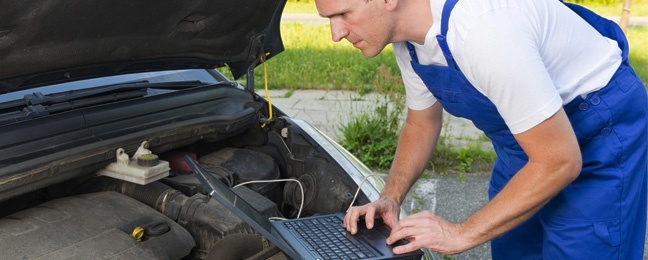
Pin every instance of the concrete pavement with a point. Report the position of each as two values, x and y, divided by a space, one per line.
329 110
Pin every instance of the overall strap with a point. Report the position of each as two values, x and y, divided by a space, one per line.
445 15
441 38
412 52
604 26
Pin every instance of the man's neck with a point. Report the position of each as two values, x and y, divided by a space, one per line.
414 21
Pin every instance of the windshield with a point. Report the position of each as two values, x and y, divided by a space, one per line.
204 76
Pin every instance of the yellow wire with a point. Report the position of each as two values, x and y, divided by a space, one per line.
265 83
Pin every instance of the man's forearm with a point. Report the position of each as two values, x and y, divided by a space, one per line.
553 163
415 146
522 197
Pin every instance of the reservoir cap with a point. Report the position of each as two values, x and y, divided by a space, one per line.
148 160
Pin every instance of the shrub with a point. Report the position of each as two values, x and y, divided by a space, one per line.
373 136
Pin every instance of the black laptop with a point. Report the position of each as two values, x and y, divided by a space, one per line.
318 237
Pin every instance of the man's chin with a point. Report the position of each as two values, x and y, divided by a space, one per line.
370 53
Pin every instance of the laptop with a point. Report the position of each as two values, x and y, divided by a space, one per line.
317 237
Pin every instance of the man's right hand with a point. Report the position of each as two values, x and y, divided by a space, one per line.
417 140
385 208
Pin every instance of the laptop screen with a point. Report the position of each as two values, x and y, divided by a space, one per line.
223 194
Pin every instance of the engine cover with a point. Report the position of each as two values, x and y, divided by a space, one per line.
92 226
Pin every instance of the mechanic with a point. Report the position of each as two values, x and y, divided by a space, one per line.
550 84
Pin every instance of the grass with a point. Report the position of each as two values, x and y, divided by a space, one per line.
638 41
614 8
313 61
300 8
372 136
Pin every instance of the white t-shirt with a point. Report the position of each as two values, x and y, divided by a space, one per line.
529 57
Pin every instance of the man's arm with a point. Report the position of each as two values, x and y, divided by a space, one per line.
554 162
415 146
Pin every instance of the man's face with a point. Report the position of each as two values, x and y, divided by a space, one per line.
364 23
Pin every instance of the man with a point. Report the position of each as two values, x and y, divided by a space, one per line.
565 112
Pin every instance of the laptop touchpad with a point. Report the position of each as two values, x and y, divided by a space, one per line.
373 234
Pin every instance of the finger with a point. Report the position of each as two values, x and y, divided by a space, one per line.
409 247
370 216
411 221
352 219
394 236
348 218
391 218
402 232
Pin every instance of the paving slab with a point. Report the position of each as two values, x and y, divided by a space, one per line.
329 110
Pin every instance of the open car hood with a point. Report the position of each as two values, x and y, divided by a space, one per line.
52 41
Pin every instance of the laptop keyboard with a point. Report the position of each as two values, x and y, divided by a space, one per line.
327 237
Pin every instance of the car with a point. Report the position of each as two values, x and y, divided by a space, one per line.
101 101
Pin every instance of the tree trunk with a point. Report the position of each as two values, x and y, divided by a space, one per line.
625 15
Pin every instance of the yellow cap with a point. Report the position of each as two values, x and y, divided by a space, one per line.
138 233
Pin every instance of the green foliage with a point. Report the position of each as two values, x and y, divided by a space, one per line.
300 7
638 38
470 155
313 61
596 2
603 7
372 137
447 257
614 7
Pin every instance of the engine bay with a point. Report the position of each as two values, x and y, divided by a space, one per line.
60 207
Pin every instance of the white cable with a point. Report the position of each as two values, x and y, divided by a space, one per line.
360 186
301 188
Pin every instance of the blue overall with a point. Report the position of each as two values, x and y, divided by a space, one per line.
602 214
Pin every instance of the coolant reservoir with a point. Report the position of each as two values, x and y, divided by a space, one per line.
144 168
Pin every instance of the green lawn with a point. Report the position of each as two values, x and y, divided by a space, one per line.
313 61
638 38
638 7
300 8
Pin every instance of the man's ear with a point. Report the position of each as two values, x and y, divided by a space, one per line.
391 5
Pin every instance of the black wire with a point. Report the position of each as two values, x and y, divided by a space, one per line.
228 175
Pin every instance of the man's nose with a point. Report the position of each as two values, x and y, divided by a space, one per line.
338 31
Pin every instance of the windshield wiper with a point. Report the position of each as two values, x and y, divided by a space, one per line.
39 98
38 104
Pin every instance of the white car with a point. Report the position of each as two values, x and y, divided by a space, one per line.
100 100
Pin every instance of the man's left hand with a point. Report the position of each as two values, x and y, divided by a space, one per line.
427 230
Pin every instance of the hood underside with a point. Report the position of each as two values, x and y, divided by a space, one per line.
52 41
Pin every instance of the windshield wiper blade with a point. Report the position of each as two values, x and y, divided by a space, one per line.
40 110
38 105
40 99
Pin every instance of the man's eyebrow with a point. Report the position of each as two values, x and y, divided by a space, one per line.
334 14
330 15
